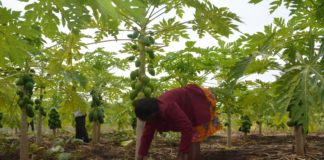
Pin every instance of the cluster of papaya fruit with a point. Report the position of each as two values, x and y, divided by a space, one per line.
141 83
25 86
54 119
97 112
246 124
38 107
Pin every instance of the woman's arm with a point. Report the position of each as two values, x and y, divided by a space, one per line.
183 125
146 140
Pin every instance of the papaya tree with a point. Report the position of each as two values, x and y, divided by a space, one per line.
25 86
245 125
295 42
96 115
261 108
150 26
54 121
190 65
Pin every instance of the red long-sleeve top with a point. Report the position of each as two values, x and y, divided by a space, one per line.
180 110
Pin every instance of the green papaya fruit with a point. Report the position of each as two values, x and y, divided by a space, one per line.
37 101
131 58
146 41
145 79
138 63
131 36
26 99
20 93
100 114
134 47
95 115
138 85
135 34
140 95
151 55
133 83
147 92
151 86
151 71
133 75
133 94
27 78
151 39
20 82
30 111
29 85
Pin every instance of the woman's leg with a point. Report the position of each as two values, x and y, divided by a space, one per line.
195 151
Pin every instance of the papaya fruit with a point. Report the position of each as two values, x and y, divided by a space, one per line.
147 91
138 63
29 86
37 101
131 36
133 83
150 54
100 114
133 75
20 82
135 33
145 79
146 41
131 58
134 47
30 111
133 94
151 71
151 39
95 115
140 95
20 93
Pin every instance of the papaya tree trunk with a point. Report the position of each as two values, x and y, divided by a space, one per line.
39 129
23 136
39 121
139 132
229 130
99 132
140 124
299 139
54 132
260 128
16 131
95 133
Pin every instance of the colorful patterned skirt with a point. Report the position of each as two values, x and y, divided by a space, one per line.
206 130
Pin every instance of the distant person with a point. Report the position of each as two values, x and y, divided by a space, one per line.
80 129
189 110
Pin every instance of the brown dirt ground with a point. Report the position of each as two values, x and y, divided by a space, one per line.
252 147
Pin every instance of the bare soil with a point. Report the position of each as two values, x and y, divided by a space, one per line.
252 147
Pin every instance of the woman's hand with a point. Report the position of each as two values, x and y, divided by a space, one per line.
183 156
140 157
